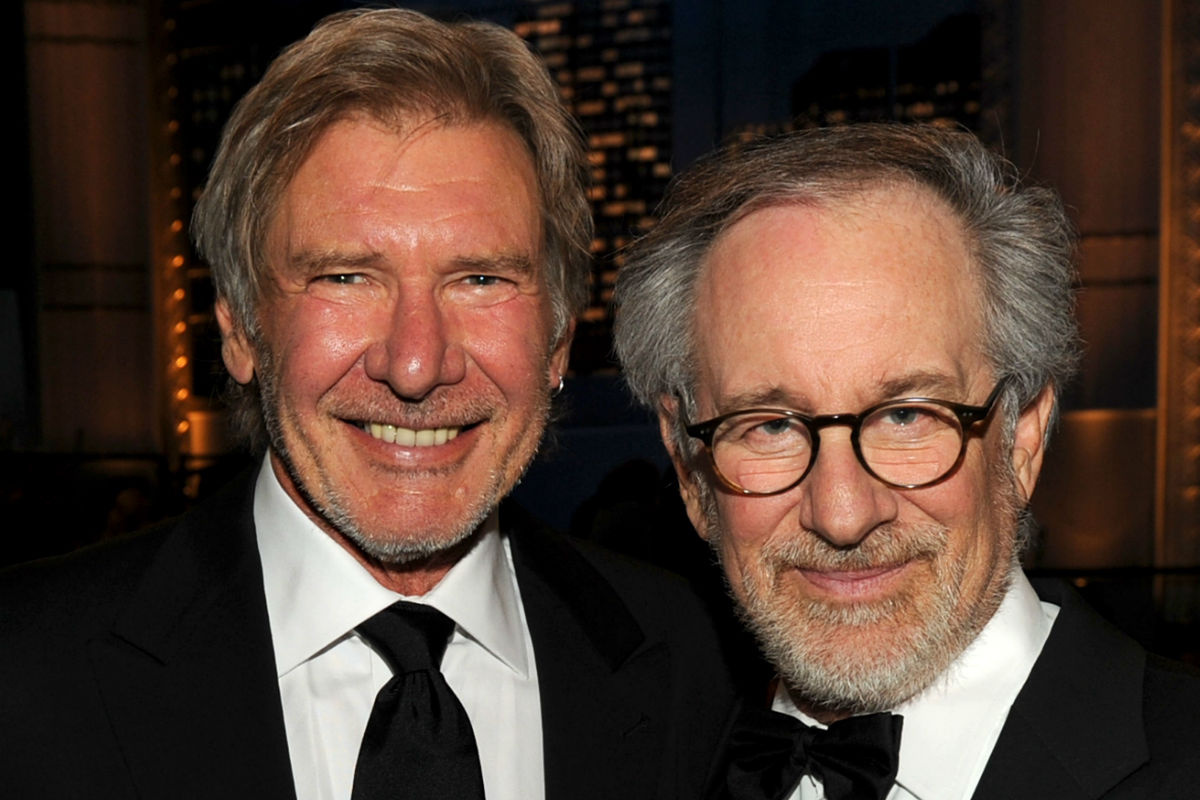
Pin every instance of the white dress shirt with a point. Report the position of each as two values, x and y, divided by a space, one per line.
950 728
328 677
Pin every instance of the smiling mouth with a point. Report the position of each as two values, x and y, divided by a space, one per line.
855 583
410 437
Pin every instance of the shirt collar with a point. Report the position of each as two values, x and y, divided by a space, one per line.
317 592
480 594
952 726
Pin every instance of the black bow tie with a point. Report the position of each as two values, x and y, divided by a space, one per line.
855 758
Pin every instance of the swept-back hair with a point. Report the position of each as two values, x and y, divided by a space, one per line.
400 68
1021 242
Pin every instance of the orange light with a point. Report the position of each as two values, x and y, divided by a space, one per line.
177 261
178 294
177 226
181 362
180 326
182 394
183 426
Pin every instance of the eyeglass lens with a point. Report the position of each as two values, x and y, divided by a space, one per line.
906 444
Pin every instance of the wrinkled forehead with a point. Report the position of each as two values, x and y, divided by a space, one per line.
886 230
470 167
850 289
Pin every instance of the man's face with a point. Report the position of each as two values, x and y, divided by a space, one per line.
861 593
405 358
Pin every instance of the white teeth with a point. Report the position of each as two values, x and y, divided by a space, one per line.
407 437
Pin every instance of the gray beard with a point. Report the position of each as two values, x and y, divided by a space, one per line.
816 647
334 511
395 552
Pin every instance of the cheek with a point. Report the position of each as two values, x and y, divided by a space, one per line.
317 345
510 344
745 524
971 506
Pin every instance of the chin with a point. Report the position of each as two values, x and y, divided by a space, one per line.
410 549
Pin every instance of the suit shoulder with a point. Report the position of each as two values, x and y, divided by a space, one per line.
86 588
1171 708
656 598
603 587
65 592
635 578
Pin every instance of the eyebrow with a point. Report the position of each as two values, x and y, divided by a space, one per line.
519 264
313 262
773 397
921 383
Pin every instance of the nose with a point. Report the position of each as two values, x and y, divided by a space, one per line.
842 502
419 348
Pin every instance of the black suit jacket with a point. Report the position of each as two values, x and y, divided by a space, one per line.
1097 718
145 669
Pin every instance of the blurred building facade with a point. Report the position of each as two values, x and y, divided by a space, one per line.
114 355
612 60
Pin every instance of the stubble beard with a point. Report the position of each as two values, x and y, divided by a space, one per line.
334 509
860 658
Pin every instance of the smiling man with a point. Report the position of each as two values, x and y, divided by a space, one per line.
854 339
398 230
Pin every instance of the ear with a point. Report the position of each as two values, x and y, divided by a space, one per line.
236 351
1029 441
668 409
561 355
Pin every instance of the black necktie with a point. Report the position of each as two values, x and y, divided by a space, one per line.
855 759
418 744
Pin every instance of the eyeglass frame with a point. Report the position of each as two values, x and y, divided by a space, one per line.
968 417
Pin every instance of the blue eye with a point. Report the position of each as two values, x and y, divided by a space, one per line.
904 415
776 426
343 278
481 280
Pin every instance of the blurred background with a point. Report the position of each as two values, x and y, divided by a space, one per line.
110 383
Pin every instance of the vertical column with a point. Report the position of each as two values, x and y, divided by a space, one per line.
1178 469
87 146
170 252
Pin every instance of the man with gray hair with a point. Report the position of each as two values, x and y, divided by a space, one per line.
398 230
854 339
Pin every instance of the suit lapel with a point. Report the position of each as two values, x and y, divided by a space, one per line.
187 673
603 714
1076 728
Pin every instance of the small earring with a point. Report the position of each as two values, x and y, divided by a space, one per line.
561 383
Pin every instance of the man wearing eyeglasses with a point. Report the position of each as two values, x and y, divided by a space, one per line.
855 339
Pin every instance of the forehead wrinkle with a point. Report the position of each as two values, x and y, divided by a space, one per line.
861 267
